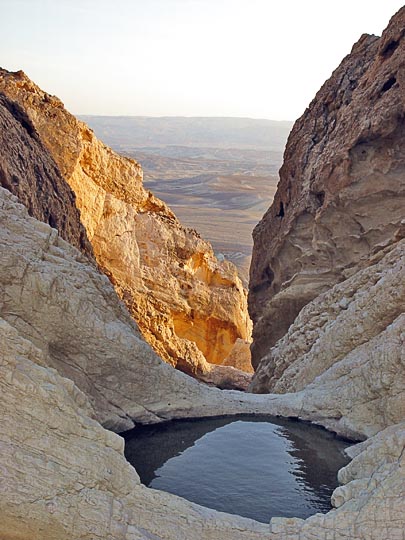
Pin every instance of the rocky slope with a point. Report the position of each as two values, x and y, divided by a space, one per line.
55 298
64 476
188 306
345 350
341 195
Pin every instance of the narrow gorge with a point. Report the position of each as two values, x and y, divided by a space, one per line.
103 292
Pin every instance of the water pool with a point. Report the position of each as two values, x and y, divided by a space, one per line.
253 466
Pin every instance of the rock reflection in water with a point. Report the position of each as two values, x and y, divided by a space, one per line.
257 467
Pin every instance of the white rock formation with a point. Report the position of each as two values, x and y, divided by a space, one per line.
56 299
344 353
65 477
71 357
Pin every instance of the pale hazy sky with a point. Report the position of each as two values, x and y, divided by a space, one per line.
255 58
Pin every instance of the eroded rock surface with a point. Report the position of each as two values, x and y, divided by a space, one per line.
341 365
188 306
55 298
341 195
60 302
65 477
345 350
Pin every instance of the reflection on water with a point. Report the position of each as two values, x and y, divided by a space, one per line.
257 467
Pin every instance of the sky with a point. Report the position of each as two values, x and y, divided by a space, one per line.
248 58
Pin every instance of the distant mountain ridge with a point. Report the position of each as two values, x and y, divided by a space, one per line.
177 130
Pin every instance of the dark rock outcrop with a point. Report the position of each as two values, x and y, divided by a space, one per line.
29 172
341 195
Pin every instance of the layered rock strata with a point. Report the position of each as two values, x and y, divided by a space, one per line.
55 298
341 195
188 306
63 476
345 350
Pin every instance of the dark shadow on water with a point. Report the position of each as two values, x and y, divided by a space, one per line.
255 466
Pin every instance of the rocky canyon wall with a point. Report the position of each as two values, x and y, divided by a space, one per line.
189 307
71 356
341 195
64 476
58 300
345 350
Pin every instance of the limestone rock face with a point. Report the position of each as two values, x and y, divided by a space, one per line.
28 170
188 306
71 356
240 357
345 350
341 195
65 477
55 298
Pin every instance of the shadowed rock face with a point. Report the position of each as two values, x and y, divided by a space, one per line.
189 307
341 195
28 170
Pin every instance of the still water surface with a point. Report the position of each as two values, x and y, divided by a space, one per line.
257 467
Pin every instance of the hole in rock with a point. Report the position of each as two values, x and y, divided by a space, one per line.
52 221
281 211
253 466
388 84
320 196
389 48
268 275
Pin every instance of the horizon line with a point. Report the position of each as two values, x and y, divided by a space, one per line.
182 116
